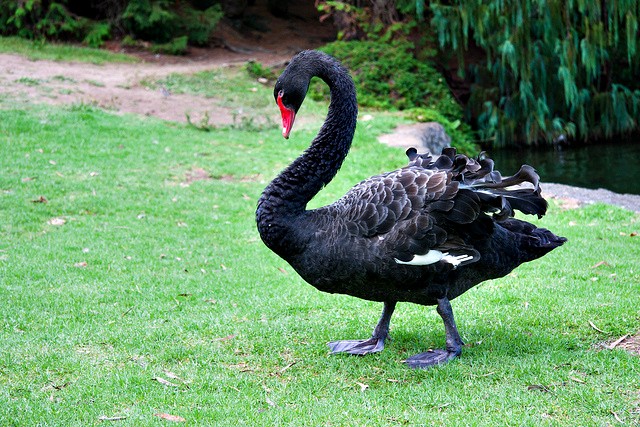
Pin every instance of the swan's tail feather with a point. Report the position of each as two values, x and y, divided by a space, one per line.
496 194
534 242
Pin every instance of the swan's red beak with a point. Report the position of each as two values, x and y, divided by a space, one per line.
288 115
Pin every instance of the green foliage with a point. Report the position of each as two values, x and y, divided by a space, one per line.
552 68
164 22
198 25
151 20
169 23
257 70
35 19
99 33
390 76
177 46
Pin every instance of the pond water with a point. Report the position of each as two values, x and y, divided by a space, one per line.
615 167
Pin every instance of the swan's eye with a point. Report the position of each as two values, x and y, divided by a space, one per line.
281 97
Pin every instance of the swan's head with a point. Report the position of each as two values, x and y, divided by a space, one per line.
289 92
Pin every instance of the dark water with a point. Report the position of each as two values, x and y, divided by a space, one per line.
615 167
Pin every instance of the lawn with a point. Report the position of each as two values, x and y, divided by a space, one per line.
137 292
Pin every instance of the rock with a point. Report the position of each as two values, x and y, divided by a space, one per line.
429 136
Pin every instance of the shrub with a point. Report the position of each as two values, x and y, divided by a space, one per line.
198 25
388 75
150 20
34 19
98 34
177 46
164 22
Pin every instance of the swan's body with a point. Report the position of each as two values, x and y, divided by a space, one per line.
425 233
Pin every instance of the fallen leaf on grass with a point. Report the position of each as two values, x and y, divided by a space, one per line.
578 380
617 417
80 264
595 327
40 199
242 367
174 376
227 338
57 221
105 418
363 387
172 418
538 387
617 342
287 367
165 382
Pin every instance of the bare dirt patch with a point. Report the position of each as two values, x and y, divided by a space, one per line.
630 343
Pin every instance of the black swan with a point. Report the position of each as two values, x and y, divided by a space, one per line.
425 233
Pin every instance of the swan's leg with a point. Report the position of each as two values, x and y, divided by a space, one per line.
454 342
373 344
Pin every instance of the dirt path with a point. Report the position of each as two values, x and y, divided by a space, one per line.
111 86
118 87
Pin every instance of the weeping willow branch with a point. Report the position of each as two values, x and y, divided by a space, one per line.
552 69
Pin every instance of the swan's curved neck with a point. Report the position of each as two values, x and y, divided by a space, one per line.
286 197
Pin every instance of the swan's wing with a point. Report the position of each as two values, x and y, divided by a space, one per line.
432 210
405 215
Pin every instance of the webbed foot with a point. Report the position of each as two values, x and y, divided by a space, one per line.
373 344
357 347
454 342
431 358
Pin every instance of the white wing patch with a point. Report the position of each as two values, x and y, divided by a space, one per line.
430 257
434 256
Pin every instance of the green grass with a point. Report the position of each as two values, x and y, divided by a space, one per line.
152 275
37 50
